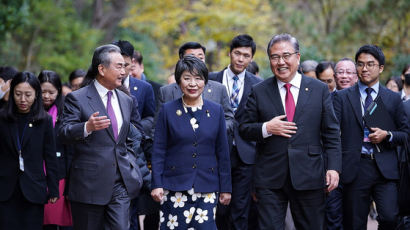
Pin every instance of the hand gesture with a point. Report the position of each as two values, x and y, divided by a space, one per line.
96 122
277 126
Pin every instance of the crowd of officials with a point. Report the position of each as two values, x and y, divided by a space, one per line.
224 150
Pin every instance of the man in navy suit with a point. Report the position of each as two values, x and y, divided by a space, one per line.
141 90
370 164
292 119
238 83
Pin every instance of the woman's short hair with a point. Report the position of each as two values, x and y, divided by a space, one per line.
397 80
37 110
54 79
192 64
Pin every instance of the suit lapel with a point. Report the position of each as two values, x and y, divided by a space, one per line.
304 94
95 102
125 112
208 94
247 86
13 129
27 133
354 99
274 94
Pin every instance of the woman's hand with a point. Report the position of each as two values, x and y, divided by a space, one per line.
52 200
157 194
225 198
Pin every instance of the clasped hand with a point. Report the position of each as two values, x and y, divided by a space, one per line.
277 126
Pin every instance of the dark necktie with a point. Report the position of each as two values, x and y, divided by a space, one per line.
289 103
366 142
111 114
235 94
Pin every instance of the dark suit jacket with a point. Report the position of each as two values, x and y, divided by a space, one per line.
183 158
213 91
303 154
246 149
155 86
144 94
38 145
348 110
97 157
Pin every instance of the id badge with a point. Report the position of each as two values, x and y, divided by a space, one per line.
21 162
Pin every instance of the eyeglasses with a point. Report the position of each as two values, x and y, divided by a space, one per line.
327 81
347 72
285 56
370 65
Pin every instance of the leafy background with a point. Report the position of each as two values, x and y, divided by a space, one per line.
61 35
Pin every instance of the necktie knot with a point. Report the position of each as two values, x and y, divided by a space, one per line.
235 78
287 86
369 91
109 94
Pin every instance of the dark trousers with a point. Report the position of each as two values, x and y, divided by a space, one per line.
369 182
307 207
334 209
113 216
19 213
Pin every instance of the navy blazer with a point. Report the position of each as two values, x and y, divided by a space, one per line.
183 158
301 156
38 145
348 110
246 149
145 95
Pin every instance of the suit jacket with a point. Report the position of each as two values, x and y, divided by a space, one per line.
144 94
155 86
303 154
38 145
213 91
246 149
97 157
182 158
348 109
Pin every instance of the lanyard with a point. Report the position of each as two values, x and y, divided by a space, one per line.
19 145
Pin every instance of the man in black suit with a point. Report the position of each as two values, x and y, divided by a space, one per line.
292 119
96 120
238 83
370 164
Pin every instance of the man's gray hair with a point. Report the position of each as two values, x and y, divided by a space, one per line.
308 66
283 38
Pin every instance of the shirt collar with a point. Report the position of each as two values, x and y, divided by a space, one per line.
126 82
231 74
296 81
363 87
102 91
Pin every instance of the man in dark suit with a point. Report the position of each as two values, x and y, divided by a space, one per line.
96 120
370 164
213 90
290 153
141 90
238 83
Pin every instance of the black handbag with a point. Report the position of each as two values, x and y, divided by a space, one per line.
404 182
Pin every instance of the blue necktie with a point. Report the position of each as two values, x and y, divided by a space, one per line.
235 94
366 142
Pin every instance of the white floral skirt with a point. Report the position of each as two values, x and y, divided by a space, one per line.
188 210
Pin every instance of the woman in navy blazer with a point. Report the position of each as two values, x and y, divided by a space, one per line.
190 160
27 150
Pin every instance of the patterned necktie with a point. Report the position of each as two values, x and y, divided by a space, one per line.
366 142
111 115
289 103
235 94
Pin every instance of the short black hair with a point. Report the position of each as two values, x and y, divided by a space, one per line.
127 49
7 72
405 69
37 110
189 45
138 57
192 64
397 80
253 68
76 74
54 79
324 65
373 50
243 40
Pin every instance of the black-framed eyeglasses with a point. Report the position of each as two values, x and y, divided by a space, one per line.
284 56
369 65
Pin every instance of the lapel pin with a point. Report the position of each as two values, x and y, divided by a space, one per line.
209 90
30 125
179 113
135 88
306 89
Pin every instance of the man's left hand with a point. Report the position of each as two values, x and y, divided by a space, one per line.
332 179
377 135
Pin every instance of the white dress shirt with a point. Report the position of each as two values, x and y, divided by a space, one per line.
102 91
294 89
228 81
